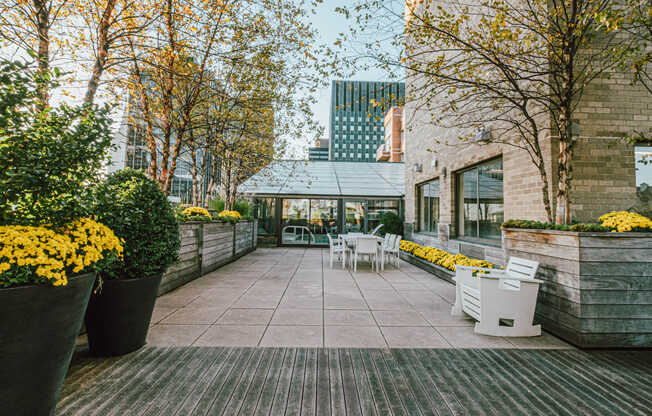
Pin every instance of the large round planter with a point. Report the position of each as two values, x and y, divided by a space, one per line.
118 316
39 326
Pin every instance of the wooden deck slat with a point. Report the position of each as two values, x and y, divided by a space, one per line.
607 387
114 381
266 399
229 400
504 398
196 381
367 404
602 399
430 402
397 405
375 384
324 383
150 390
282 391
250 401
293 404
125 389
191 377
309 401
231 370
529 404
351 398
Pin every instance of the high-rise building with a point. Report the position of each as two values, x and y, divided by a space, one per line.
357 117
393 149
319 151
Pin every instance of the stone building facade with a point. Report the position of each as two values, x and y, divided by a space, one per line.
437 162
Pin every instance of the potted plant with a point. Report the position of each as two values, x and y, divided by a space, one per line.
120 310
48 249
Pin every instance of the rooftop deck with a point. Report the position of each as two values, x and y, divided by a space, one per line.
202 356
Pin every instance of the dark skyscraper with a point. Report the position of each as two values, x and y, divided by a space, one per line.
356 124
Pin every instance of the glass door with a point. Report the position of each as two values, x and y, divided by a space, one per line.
294 222
354 217
323 220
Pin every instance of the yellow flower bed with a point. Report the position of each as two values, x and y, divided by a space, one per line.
38 254
196 212
441 257
623 221
232 214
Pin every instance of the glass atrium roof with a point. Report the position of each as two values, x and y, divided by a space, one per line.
328 178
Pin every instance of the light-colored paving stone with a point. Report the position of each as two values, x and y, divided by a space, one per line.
174 335
246 317
194 316
293 336
354 336
231 336
290 297
298 317
413 337
348 317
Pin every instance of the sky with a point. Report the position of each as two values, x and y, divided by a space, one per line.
329 24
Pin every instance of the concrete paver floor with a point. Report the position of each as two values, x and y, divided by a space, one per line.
290 297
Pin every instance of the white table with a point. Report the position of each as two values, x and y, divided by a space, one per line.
349 242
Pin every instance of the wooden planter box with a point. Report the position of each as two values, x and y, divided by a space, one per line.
598 286
441 272
206 246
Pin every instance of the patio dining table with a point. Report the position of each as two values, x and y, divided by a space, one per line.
349 241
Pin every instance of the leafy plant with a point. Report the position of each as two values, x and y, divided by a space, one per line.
137 211
48 157
216 204
242 206
392 224
537 225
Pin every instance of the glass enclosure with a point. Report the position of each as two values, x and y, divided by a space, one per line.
377 208
480 201
309 221
264 211
294 222
355 217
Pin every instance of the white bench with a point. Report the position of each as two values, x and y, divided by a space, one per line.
499 295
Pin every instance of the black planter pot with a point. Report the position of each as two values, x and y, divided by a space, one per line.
117 318
38 329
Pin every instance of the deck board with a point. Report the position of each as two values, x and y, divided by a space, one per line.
306 381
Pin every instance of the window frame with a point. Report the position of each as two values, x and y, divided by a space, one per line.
419 192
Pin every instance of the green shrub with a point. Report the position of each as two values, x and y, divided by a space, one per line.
537 225
47 158
135 208
216 204
392 224
242 206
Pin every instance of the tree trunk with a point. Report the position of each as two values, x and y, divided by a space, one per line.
102 52
193 159
43 56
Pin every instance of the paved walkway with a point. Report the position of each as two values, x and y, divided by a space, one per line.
321 381
291 298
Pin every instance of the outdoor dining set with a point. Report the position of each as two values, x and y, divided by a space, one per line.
377 250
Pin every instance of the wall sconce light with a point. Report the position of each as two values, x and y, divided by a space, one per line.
434 162
443 171
417 167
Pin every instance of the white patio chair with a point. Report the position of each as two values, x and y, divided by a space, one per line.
377 229
498 296
388 243
394 251
337 248
366 246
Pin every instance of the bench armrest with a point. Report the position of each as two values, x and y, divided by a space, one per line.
506 277
485 269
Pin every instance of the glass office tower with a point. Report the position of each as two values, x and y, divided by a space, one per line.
357 117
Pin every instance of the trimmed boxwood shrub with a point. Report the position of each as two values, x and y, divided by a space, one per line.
135 208
392 224
537 225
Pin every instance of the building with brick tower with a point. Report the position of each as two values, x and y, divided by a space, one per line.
392 149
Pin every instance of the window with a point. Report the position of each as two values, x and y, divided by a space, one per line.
643 167
428 206
337 154
337 145
480 201
359 155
